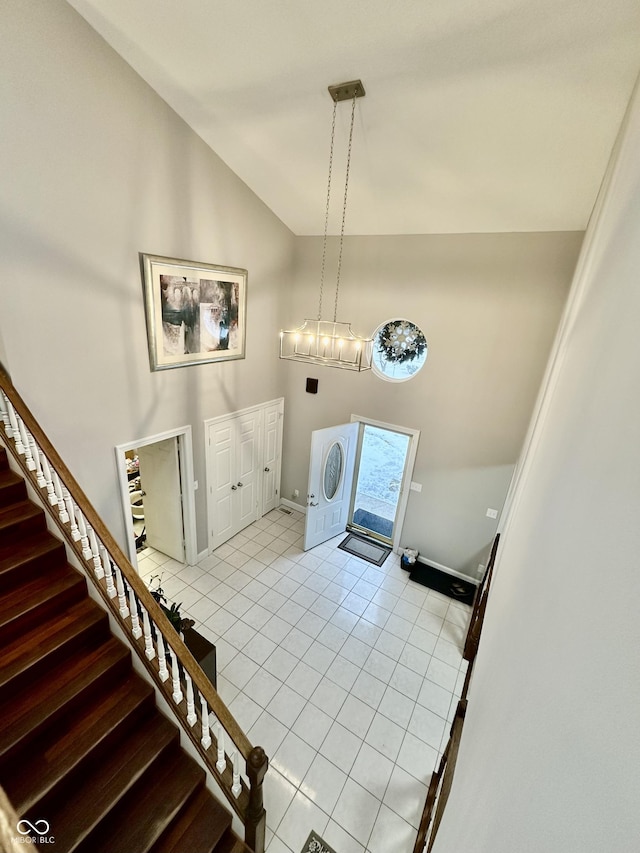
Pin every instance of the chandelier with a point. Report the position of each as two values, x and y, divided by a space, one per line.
324 341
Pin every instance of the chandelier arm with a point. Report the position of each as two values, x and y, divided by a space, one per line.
344 207
326 216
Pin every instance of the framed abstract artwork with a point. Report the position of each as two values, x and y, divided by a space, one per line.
196 313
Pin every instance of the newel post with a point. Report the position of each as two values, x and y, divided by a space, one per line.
256 817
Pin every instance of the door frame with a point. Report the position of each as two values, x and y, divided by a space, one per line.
258 407
187 485
405 486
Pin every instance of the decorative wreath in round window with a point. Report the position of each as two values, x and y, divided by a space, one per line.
399 350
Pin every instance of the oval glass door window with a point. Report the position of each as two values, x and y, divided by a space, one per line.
399 350
333 467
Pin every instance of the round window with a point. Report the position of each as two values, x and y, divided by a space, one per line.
333 470
399 350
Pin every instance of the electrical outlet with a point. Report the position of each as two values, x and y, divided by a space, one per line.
492 513
195 485
296 493
480 570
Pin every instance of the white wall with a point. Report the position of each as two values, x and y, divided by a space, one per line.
96 168
489 305
551 748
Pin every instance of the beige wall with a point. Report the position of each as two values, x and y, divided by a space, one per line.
489 306
550 750
96 168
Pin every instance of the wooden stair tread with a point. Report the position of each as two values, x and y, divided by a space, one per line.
198 828
230 843
12 487
40 704
78 741
145 749
24 513
45 643
39 546
33 599
138 822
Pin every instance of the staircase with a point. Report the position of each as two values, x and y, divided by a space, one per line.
82 743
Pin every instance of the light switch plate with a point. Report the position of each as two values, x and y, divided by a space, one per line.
492 513
415 487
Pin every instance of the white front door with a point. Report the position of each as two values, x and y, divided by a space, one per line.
331 467
160 480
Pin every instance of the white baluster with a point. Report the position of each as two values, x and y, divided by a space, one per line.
236 787
108 573
35 452
57 486
163 672
205 740
221 763
175 677
136 630
28 456
149 651
122 599
4 414
192 717
48 478
98 568
84 538
73 526
13 420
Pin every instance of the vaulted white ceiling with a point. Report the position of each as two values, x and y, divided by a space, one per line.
480 115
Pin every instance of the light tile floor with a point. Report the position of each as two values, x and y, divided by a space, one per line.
347 674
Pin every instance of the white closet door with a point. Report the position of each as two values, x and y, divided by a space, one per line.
222 483
272 457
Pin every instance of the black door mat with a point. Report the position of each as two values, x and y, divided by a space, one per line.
367 550
450 585
373 522
315 844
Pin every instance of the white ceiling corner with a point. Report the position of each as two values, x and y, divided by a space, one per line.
480 115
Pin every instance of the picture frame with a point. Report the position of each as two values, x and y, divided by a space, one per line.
195 312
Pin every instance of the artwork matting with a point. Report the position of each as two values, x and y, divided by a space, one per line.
196 312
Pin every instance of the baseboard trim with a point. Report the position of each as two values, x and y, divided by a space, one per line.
202 555
448 571
292 505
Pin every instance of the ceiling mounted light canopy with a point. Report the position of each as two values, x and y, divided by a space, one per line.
323 341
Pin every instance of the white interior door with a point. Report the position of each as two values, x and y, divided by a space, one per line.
247 469
234 463
160 479
221 478
331 467
271 457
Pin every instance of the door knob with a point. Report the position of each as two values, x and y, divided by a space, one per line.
267 470
234 488
313 504
240 484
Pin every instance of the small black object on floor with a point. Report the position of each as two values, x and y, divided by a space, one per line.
359 546
447 584
374 522
315 844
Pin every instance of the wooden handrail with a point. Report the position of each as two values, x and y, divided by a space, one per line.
479 607
440 785
240 803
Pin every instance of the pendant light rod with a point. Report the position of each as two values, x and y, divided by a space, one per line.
326 215
344 207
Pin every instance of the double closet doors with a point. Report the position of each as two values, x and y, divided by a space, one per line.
243 468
